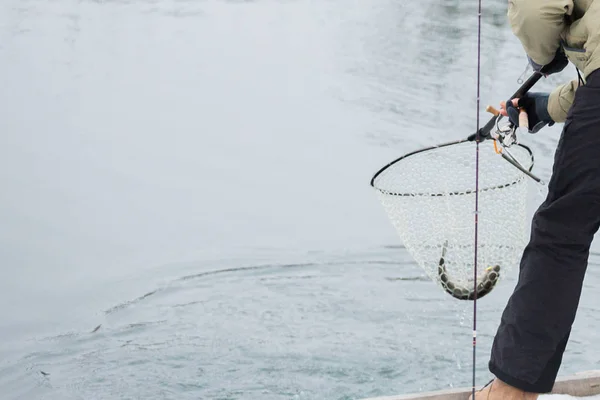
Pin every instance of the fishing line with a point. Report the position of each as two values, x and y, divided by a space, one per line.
477 139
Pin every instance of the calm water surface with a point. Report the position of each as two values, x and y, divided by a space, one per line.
185 204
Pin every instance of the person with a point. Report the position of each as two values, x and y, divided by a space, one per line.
535 325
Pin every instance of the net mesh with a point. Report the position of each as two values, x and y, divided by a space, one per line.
430 198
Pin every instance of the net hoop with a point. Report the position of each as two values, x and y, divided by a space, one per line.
457 193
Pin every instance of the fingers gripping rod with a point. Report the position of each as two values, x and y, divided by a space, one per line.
506 135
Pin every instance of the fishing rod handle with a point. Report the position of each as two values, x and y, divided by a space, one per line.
484 132
529 83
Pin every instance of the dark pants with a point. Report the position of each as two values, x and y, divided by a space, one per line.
535 326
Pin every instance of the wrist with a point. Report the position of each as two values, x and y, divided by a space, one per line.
542 109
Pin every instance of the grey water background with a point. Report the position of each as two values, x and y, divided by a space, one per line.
192 178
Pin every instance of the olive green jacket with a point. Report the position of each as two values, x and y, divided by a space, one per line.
544 25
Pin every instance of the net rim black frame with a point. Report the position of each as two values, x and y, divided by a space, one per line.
457 193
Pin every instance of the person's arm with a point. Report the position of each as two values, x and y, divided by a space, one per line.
561 99
538 24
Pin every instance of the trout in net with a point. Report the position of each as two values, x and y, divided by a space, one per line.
429 196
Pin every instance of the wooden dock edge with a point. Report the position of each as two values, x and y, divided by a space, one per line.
581 384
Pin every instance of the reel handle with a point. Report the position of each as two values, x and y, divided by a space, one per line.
492 111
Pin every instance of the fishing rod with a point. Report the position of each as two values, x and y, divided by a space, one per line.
485 131
506 137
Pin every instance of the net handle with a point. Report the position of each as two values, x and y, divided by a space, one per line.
484 133
509 157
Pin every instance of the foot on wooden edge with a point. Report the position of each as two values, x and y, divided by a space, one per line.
498 390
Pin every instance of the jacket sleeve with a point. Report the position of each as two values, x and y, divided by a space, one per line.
538 24
561 99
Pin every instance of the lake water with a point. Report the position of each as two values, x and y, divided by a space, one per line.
185 208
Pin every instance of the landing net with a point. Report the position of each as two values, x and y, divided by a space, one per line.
429 196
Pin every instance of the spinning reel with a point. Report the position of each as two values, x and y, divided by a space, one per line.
506 135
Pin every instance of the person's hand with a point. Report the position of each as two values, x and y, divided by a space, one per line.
558 63
536 107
